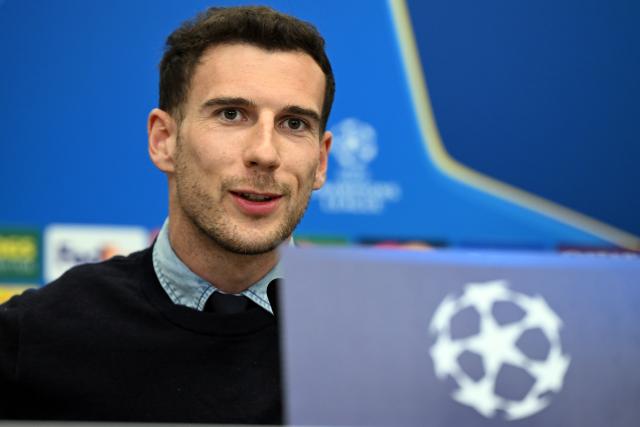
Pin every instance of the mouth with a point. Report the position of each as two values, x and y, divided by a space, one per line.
256 204
256 197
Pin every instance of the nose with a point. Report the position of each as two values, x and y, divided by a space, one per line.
261 151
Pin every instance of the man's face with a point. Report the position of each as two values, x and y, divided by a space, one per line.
249 149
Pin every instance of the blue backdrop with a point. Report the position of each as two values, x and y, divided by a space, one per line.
538 95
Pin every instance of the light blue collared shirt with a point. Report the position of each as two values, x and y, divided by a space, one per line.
184 287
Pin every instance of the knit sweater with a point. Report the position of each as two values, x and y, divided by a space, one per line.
105 343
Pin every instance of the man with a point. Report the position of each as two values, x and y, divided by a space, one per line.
186 331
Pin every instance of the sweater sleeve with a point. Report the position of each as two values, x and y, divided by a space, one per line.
10 314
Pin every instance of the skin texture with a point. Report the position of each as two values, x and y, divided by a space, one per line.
250 124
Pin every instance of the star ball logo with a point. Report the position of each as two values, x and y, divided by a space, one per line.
355 144
497 349
353 189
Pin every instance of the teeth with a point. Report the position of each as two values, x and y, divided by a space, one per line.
255 197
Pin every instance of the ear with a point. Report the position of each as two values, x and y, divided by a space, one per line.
163 131
321 171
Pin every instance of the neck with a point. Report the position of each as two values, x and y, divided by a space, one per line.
228 271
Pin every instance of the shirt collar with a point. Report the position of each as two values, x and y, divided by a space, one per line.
184 287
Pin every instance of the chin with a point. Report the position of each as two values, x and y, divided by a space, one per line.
251 248
249 240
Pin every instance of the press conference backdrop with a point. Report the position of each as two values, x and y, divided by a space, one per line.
460 337
461 123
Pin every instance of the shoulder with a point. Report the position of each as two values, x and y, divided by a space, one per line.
88 303
114 270
87 283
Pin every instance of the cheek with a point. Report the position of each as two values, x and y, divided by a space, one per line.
305 168
210 159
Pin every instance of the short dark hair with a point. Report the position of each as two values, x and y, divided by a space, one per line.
256 25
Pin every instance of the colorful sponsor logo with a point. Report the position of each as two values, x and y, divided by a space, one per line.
411 244
320 240
7 291
19 255
153 235
66 246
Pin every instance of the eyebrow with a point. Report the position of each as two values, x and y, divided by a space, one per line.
226 101
301 111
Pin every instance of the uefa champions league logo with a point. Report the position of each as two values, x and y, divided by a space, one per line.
351 187
354 145
497 346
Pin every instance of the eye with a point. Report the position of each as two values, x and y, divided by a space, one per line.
230 114
294 123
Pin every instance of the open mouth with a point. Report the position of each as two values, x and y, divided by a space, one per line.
254 197
256 204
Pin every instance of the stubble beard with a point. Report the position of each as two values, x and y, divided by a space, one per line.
210 218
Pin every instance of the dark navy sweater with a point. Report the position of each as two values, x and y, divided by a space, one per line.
105 343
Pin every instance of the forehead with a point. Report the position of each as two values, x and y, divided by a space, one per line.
263 76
